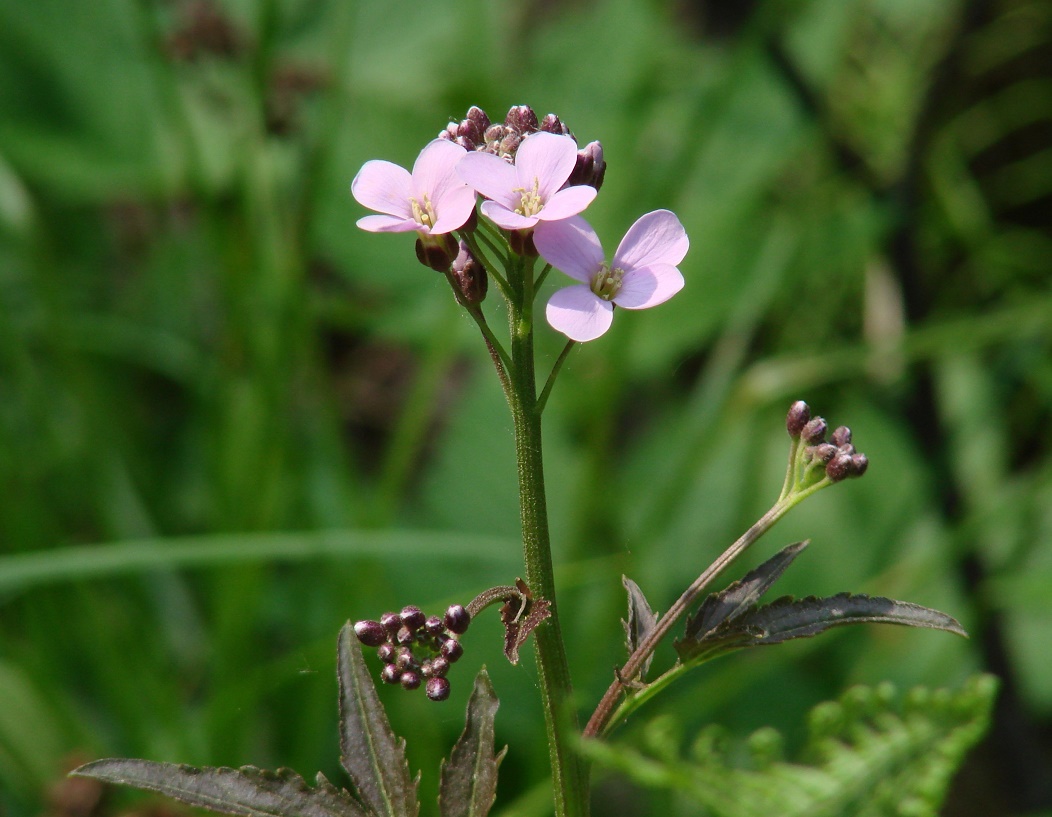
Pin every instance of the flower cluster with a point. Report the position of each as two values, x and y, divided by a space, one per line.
414 647
534 182
838 455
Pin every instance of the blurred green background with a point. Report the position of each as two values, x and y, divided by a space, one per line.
229 420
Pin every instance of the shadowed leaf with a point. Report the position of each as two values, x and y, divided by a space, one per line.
520 615
370 753
640 622
469 779
247 791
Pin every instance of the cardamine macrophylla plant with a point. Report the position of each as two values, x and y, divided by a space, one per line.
500 205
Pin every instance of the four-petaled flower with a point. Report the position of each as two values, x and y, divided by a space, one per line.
433 200
531 190
642 273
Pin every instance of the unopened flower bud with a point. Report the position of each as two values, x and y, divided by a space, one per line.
552 124
823 452
436 251
392 622
433 626
522 119
451 650
841 436
410 680
470 276
859 464
521 243
412 617
439 666
457 619
798 416
814 431
370 633
590 168
390 674
509 144
437 689
839 467
404 660
387 653
404 636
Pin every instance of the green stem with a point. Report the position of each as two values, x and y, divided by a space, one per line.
569 776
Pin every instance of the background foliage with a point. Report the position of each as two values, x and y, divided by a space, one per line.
229 421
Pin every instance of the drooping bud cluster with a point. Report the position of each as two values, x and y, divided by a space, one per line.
839 456
417 649
475 132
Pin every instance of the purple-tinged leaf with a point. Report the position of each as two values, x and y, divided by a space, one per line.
640 622
741 596
787 618
520 615
370 753
469 779
246 792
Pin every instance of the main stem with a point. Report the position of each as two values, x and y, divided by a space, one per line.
569 776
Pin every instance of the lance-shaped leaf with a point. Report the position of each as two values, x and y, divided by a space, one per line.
371 754
247 792
787 618
469 779
742 595
640 622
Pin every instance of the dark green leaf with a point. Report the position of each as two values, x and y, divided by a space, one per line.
469 779
372 755
640 622
247 791
787 618
739 597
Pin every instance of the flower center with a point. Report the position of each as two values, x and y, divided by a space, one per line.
606 282
531 203
425 215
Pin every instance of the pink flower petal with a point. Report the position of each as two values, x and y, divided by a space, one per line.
384 187
503 217
645 287
546 158
570 245
387 224
567 202
579 314
453 209
434 174
491 176
655 238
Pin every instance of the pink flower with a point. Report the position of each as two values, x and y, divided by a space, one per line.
642 274
527 192
432 200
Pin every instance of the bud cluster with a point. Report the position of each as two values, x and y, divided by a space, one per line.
416 649
476 132
838 455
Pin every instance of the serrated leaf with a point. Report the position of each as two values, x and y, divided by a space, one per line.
739 597
248 791
370 753
469 779
640 622
787 618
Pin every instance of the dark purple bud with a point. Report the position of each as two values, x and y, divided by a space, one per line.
404 659
796 419
839 467
823 452
392 622
370 633
405 636
451 650
412 617
436 251
470 276
841 436
859 464
814 431
522 119
439 666
386 653
410 680
390 674
457 619
433 626
590 168
553 124
437 689
521 243
509 144
450 132
478 118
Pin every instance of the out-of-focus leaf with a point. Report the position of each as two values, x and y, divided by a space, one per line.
640 622
248 791
370 753
469 779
